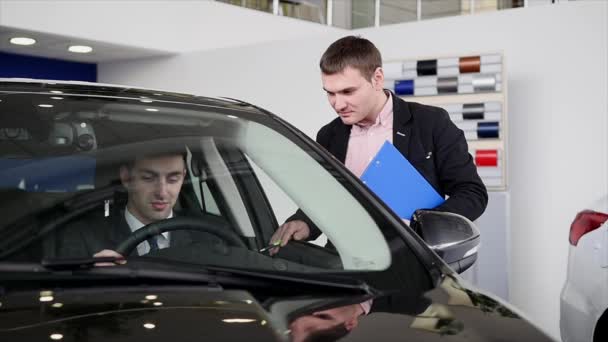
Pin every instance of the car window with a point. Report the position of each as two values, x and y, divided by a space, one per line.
92 170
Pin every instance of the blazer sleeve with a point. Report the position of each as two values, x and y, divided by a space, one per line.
457 173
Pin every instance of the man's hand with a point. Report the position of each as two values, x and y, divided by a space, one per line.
296 230
109 253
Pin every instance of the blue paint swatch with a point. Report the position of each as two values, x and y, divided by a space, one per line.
487 129
405 87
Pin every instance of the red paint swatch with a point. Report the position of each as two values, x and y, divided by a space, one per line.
486 158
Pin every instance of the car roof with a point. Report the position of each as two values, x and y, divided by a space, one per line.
120 91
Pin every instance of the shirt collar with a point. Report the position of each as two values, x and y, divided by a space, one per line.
135 224
383 118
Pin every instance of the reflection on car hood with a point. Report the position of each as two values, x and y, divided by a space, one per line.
450 312
136 315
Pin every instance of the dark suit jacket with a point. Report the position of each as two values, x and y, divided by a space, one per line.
95 232
420 131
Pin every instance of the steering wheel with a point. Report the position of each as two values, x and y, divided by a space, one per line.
205 224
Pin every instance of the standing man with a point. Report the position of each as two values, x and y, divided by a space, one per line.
368 115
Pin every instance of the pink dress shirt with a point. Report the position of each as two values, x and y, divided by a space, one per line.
364 142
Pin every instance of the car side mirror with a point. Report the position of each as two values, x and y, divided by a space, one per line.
453 237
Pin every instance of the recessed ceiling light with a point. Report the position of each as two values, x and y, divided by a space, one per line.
23 41
238 320
56 97
44 105
152 109
80 48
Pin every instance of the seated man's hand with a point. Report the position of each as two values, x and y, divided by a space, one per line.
108 253
296 230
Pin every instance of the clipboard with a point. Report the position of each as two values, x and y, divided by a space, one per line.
397 182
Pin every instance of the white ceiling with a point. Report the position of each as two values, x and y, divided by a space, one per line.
56 46
129 29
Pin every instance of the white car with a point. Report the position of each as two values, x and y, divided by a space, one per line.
584 298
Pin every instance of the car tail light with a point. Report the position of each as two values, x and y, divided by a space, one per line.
585 222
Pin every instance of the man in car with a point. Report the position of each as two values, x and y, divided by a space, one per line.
369 115
153 184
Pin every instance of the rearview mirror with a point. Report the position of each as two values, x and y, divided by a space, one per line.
453 237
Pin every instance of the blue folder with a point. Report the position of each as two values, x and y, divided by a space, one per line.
391 176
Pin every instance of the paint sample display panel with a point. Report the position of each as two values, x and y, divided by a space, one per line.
471 88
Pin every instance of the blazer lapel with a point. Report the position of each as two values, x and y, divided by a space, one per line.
401 127
341 142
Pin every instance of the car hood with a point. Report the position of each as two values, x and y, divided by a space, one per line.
450 312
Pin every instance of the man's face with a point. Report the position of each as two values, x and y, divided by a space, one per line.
153 185
354 98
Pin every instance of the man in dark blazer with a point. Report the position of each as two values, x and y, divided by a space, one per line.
368 115
153 184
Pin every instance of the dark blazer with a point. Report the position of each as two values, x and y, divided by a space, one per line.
433 144
94 232
427 137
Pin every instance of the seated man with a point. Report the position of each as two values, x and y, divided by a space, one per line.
153 185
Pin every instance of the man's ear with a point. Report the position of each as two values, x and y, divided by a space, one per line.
125 176
378 79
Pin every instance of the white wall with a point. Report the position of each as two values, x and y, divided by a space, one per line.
556 60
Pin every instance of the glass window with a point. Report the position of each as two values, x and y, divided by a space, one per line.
260 5
493 5
363 12
397 11
310 10
218 179
442 8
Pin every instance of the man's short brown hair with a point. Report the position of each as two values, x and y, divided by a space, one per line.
351 51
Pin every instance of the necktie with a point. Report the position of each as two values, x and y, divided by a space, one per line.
153 242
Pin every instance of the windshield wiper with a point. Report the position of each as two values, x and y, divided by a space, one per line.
154 269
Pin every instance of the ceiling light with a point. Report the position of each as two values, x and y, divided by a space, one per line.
57 305
22 41
44 105
80 48
238 320
56 92
56 337
152 109
46 298
149 325
56 98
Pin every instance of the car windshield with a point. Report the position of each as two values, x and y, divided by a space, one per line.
81 172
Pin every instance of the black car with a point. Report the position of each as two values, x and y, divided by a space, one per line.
68 184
